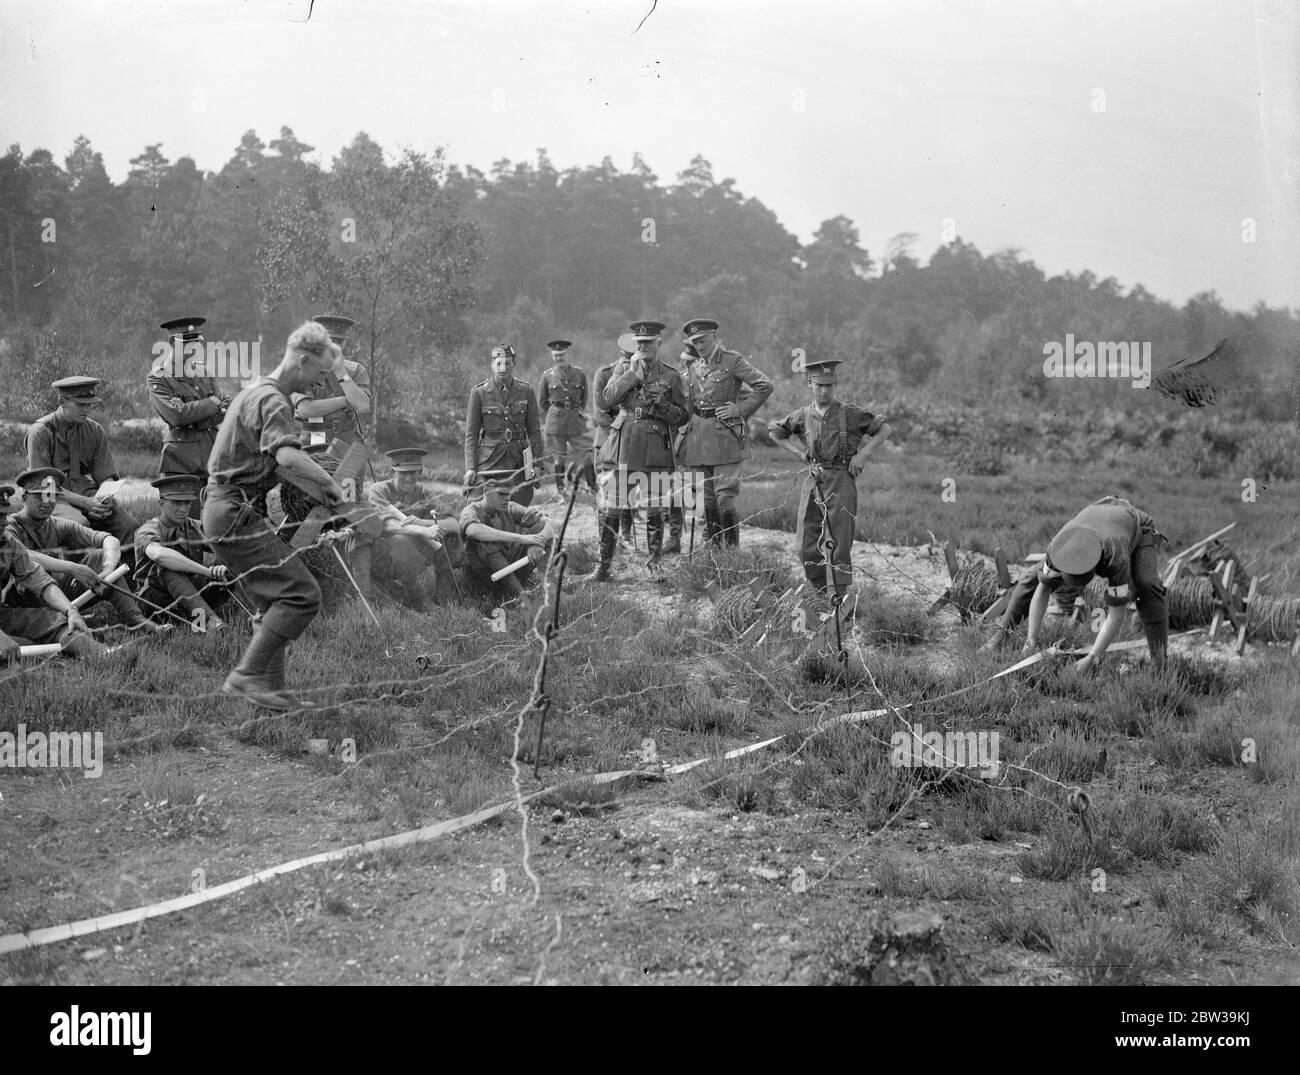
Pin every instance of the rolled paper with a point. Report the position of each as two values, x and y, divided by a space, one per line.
110 578
40 651
497 576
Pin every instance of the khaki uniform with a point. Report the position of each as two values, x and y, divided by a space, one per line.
500 423
82 452
164 587
562 397
343 426
403 557
36 625
833 439
482 558
192 418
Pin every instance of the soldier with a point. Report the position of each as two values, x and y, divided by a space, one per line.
563 398
258 437
651 402
422 532
834 439
190 403
333 406
70 441
74 554
171 554
498 532
602 418
1117 541
53 619
715 441
501 425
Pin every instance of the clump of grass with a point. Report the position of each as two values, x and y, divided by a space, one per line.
1254 882
988 813
728 567
745 786
891 621
581 797
1158 829
1069 759
1104 952
1067 852
1027 927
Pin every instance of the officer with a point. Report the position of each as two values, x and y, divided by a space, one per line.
498 532
503 435
1117 541
421 531
333 407
69 440
74 554
53 619
257 437
834 440
189 402
602 418
562 397
638 450
715 441
174 565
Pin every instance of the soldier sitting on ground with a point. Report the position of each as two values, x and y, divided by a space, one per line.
74 554
421 532
497 533
175 568
53 619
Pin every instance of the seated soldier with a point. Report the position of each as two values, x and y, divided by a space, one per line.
53 620
69 440
72 553
171 555
499 531
420 532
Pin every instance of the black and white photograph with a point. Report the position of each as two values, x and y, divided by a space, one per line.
650 492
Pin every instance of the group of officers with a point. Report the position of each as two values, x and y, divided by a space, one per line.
642 418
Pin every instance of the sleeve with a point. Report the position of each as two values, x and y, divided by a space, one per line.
1048 576
865 423
377 494
22 568
789 426
533 418
526 517
473 426
544 394
360 376
1117 572
760 386
72 535
294 400
617 387
584 394
178 412
278 430
145 535
469 514
600 413
40 446
673 410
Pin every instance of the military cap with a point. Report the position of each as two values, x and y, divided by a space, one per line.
627 343
1075 551
337 327
646 330
822 370
32 480
7 505
177 486
503 350
184 328
559 345
407 458
82 389
698 327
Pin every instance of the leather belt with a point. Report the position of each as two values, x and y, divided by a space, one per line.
567 406
705 412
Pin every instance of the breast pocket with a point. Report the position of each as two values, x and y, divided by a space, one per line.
518 413
494 420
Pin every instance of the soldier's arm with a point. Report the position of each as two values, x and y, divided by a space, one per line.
673 409
319 408
176 411
788 434
104 466
534 423
173 560
544 394
617 388
760 387
356 389
473 427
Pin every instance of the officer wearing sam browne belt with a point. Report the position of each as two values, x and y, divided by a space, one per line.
187 400
562 397
500 423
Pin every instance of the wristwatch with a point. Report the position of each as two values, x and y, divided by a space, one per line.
345 377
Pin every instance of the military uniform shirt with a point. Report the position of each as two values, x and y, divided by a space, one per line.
711 382
822 433
386 494
18 567
513 518
500 423
343 424
53 536
258 424
79 449
1119 525
562 397
186 538
651 412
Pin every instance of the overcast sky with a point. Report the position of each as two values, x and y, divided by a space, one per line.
1132 139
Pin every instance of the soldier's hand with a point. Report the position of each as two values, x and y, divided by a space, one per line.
333 493
728 411
84 575
638 367
339 369
97 511
536 554
856 466
471 476
218 572
9 649
75 622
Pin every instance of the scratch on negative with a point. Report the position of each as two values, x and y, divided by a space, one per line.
653 4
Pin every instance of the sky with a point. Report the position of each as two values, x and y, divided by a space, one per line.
1155 141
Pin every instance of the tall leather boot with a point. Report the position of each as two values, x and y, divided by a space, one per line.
654 538
251 678
627 525
589 472
674 542
712 524
275 669
730 527
1157 642
609 524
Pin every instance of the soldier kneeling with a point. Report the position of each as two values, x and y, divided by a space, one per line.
498 532
174 565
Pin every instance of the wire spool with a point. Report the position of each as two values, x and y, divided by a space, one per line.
974 588
735 610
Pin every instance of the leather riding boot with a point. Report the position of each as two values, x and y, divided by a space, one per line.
654 537
712 524
627 520
674 542
1157 642
609 524
730 527
275 669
